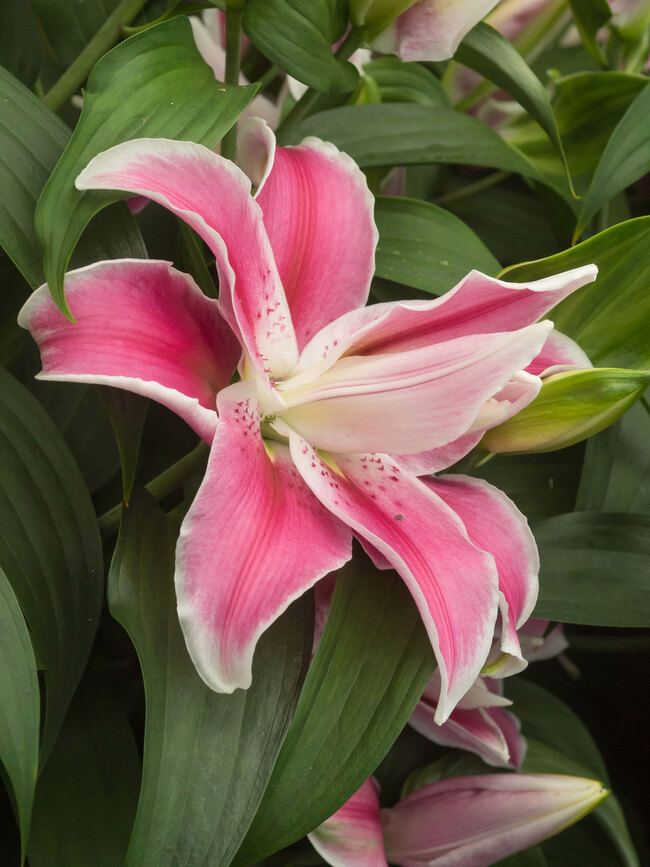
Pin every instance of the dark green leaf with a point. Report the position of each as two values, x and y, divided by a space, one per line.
20 717
20 52
424 246
587 107
87 793
70 25
207 757
542 485
406 82
297 35
49 545
616 472
599 315
394 134
595 569
490 54
625 160
175 95
31 140
371 666
590 16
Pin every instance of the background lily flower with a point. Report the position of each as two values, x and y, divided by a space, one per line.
340 407
425 30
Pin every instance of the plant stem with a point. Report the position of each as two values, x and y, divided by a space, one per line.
310 98
269 76
105 38
164 484
234 17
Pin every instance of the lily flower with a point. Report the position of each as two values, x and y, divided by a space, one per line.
339 409
423 30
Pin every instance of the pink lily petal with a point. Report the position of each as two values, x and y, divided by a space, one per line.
432 29
352 837
477 305
538 644
213 196
558 353
142 326
254 539
318 213
435 460
410 401
478 723
495 524
477 820
452 582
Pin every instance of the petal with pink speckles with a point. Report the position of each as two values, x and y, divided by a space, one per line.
432 29
213 196
318 213
352 837
453 582
142 326
254 539
495 524
412 401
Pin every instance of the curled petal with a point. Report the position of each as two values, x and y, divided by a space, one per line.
352 837
411 401
254 539
318 213
495 524
559 353
477 305
452 582
213 196
478 820
142 326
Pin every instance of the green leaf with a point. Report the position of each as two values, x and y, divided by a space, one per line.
49 546
200 748
599 316
395 134
87 793
20 52
570 407
368 673
20 717
70 25
406 82
541 485
127 413
424 246
587 107
153 84
489 53
594 569
616 471
590 16
297 35
625 160
31 140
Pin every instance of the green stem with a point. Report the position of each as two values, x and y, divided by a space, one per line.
164 484
234 17
469 189
105 38
269 76
310 98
